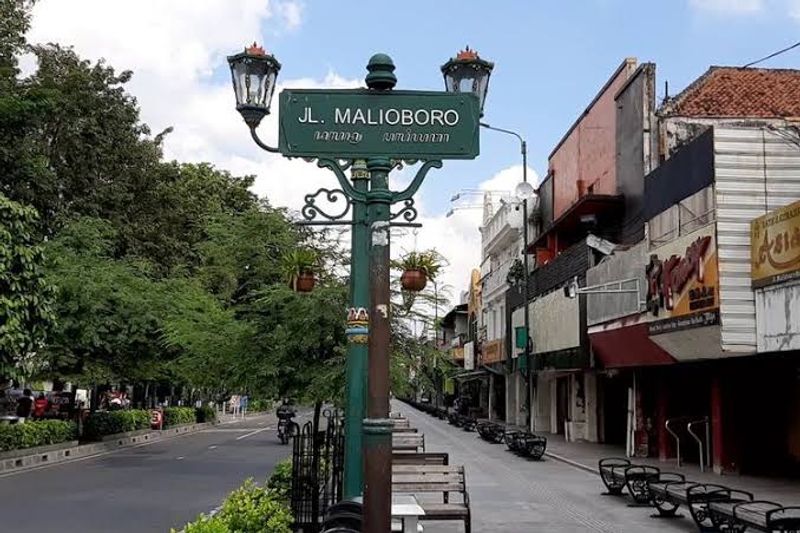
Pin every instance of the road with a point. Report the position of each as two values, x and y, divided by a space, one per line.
510 494
149 488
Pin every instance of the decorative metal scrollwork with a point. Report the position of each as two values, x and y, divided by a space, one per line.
408 212
311 210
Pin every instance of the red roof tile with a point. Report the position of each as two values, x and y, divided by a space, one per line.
739 92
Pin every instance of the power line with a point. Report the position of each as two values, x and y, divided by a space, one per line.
774 54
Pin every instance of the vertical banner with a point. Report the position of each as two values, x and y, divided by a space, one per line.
469 356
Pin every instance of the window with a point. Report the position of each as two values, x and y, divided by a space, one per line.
689 214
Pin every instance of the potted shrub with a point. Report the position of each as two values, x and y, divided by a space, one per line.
418 268
298 266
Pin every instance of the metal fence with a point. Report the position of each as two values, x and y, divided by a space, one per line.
317 469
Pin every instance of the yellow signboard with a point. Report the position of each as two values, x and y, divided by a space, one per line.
775 246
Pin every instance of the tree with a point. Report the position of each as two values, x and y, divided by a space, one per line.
25 296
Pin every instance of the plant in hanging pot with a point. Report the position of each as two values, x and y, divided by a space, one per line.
418 268
298 267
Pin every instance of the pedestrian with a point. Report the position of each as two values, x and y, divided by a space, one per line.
40 406
245 401
25 405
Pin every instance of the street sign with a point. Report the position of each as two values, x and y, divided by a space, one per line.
349 124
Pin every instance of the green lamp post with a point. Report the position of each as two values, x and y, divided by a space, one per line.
369 131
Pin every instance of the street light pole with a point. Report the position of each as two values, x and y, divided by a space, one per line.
526 312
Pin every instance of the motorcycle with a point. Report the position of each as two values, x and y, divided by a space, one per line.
286 428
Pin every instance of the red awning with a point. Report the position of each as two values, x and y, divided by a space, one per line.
627 347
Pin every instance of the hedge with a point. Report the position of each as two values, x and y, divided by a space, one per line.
205 414
250 509
101 423
177 416
32 434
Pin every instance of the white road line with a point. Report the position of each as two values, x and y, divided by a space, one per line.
251 433
211 447
180 458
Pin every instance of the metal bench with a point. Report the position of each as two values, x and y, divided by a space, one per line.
431 479
408 442
422 458
618 474
667 497
759 515
491 432
401 422
525 443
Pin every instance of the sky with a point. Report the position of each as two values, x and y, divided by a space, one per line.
551 58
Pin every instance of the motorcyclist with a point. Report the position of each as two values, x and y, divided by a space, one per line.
285 414
286 410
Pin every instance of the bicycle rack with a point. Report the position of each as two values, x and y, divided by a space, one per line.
676 436
703 454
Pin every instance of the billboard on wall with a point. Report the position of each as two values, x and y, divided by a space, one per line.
775 246
683 282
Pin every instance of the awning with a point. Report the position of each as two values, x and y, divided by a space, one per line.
471 375
630 346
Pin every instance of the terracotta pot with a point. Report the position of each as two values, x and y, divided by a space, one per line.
414 280
304 282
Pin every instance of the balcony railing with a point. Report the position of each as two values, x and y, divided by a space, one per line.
493 352
495 280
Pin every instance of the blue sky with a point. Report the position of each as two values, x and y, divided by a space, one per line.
551 57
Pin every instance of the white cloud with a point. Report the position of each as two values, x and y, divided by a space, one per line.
794 9
729 7
173 48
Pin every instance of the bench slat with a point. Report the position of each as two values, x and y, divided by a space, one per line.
427 487
429 468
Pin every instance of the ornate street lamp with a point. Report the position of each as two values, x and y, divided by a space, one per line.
468 73
254 72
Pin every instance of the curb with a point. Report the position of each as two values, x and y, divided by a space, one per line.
52 455
575 464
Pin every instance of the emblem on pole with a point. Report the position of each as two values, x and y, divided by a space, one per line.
357 325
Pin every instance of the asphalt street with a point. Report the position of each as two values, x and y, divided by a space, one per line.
149 488
510 494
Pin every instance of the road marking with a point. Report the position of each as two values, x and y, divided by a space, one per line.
180 458
251 433
211 447
240 430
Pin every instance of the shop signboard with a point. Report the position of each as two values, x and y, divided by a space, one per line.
775 246
683 281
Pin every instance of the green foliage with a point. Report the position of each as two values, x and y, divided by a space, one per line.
248 509
206 524
259 405
280 482
25 296
177 416
102 423
205 414
429 261
516 273
36 433
255 509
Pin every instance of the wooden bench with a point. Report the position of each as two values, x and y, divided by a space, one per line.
401 422
408 442
759 515
433 479
525 443
619 474
423 458
404 430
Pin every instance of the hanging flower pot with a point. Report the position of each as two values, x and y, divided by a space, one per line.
414 279
305 282
299 266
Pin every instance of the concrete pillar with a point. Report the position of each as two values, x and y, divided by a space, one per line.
724 455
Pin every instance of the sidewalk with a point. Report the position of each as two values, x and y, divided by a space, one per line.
510 494
586 455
